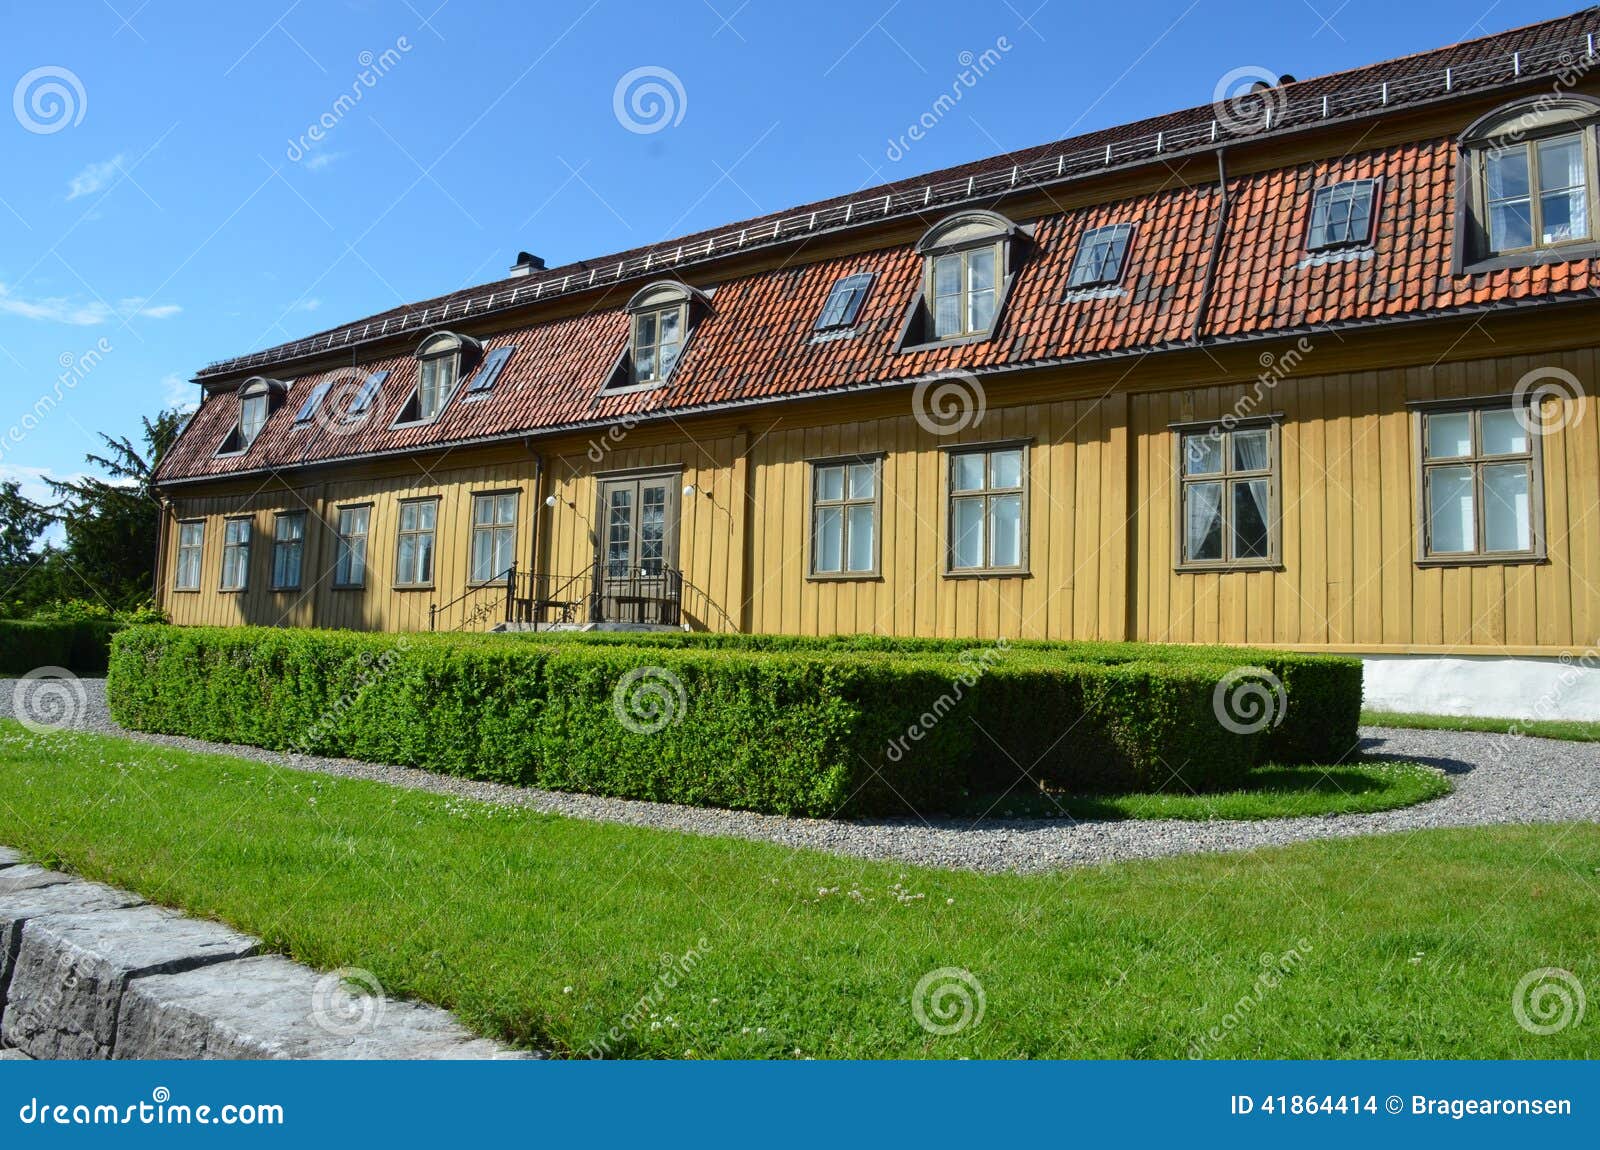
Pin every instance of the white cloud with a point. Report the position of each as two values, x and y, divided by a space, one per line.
178 392
94 177
316 161
81 313
311 304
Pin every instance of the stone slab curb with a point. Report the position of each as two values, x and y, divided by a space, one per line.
71 970
270 1007
91 972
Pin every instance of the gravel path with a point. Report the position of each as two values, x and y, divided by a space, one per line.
1497 780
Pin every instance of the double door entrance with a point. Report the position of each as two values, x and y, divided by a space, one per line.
637 578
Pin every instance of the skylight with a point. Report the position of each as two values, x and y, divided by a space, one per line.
844 302
1100 256
367 393
489 370
313 401
1341 215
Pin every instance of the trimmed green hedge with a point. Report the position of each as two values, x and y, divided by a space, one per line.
82 646
790 728
1323 692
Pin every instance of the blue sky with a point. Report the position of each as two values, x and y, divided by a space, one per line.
162 202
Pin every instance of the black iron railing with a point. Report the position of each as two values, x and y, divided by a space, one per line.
601 593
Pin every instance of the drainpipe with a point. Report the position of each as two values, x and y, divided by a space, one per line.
1202 312
534 514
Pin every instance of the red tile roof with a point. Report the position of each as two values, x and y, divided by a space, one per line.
756 341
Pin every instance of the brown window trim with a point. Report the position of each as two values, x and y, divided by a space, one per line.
272 584
472 529
1273 474
1023 570
338 542
1420 410
875 573
249 556
177 554
399 518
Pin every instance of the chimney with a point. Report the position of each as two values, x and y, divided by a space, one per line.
527 263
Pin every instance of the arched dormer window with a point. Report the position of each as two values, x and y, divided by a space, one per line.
258 398
660 318
441 360
1526 186
967 270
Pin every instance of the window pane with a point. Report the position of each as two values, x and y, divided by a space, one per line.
427 514
1563 216
980 311
1507 172
1202 521
667 358
947 316
861 531
947 275
669 323
1451 528
425 559
980 270
830 483
1450 435
862 484
1250 512
967 471
1510 225
1250 450
482 556
1507 524
828 543
644 330
1503 433
1560 163
967 549
406 559
506 507
408 516
1005 531
1005 469
1202 454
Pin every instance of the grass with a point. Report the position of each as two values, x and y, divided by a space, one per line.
1571 730
1274 792
552 932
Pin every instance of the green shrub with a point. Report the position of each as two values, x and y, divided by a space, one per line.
82 646
861 726
1318 724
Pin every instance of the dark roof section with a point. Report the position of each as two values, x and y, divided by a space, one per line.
1507 58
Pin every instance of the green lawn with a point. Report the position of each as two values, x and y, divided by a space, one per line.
1274 792
1570 730
550 931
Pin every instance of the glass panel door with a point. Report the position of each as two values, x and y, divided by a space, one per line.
638 549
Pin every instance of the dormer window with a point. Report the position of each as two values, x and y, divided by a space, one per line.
440 361
1527 184
1342 215
252 416
1100 256
257 398
660 320
657 342
967 270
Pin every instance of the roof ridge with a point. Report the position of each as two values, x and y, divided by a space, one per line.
978 175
